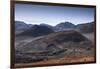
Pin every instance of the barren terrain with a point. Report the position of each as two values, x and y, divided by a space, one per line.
62 56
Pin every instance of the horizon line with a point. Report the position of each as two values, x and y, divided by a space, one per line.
53 25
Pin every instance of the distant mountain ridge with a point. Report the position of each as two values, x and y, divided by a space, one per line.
37 30
44 29
19 25
64 25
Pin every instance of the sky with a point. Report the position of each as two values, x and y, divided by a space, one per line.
52 15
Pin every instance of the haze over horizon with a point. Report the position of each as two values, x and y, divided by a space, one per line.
52 15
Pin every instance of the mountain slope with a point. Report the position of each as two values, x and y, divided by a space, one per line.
66 39
86 28
55 45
